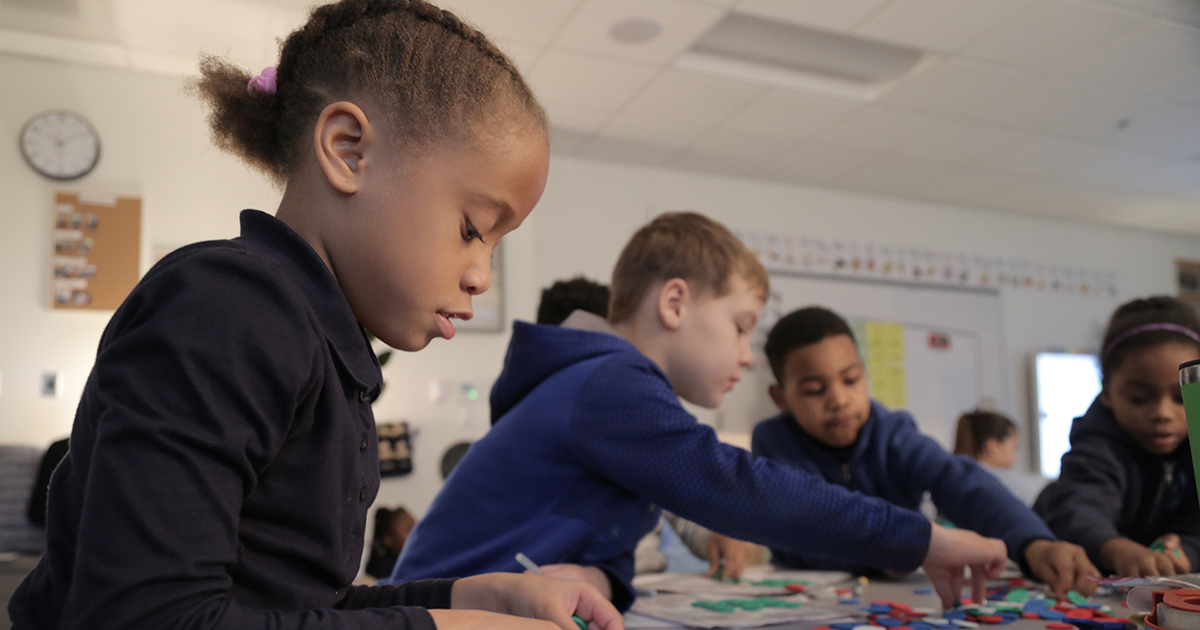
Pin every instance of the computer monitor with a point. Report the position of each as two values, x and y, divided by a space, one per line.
1065 385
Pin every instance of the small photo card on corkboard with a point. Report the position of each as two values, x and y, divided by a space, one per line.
96 251
1187 278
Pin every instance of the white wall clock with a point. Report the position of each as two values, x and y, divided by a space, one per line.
60 144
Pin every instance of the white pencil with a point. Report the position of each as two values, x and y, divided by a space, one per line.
528 564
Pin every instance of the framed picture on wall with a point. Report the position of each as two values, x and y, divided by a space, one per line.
488 307
1187 278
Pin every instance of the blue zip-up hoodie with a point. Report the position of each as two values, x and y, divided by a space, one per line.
892 460
1109 486
589 441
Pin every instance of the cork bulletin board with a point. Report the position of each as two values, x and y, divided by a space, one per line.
97 238
1187 277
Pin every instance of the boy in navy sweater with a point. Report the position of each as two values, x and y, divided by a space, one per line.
589 440
830 427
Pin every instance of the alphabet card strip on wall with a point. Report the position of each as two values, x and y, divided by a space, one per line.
97 245
893 263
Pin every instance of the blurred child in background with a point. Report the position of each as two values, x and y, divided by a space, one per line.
992 440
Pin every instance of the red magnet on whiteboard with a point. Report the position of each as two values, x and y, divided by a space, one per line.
939 341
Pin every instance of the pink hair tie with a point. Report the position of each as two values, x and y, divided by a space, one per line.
264 82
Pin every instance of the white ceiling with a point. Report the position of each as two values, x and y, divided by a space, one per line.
1081 109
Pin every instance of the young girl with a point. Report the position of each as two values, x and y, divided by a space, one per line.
988 438
992 440
1126 492
223 454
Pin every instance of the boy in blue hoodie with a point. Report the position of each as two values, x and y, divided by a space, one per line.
830 427
589 440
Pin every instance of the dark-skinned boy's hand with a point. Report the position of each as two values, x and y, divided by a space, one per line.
1132 559
1062 565
1172 546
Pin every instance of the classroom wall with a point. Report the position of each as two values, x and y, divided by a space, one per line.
155 145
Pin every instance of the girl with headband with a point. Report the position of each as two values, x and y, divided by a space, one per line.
1127 492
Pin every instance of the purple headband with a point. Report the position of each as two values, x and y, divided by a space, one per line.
1136 330
264 82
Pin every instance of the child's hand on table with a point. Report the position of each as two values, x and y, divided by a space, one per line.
1061 565
475 600
1130 558
728 555
1172 546
592 575
950 550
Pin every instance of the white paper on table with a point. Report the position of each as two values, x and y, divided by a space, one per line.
703 586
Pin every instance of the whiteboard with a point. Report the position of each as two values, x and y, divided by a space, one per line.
941 382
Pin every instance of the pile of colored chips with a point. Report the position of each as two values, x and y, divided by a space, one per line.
757 603
1005 604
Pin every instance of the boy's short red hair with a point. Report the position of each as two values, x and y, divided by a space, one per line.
685 245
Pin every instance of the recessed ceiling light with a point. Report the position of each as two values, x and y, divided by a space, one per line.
751 48
635 30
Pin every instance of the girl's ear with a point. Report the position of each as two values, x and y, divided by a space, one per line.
342 140
672 303
1105 399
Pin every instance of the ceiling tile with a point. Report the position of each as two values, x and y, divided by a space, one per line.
816 162
1135 174
1056 36
1181 90
939 25
962 143
879 129
682 24
515 21
1179 11
692 97
1159 53
742 152
588 80
565 141
582 118
1061 199
624 150
956 88
927 179
841 15
1042 155
1060 109
669 133
790 114
525 56
233 30
91 20
1161 128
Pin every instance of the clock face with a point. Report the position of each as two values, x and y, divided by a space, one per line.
60 145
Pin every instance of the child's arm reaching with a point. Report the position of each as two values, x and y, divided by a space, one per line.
950 550
1062 565
475 602
729 555
1131 558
